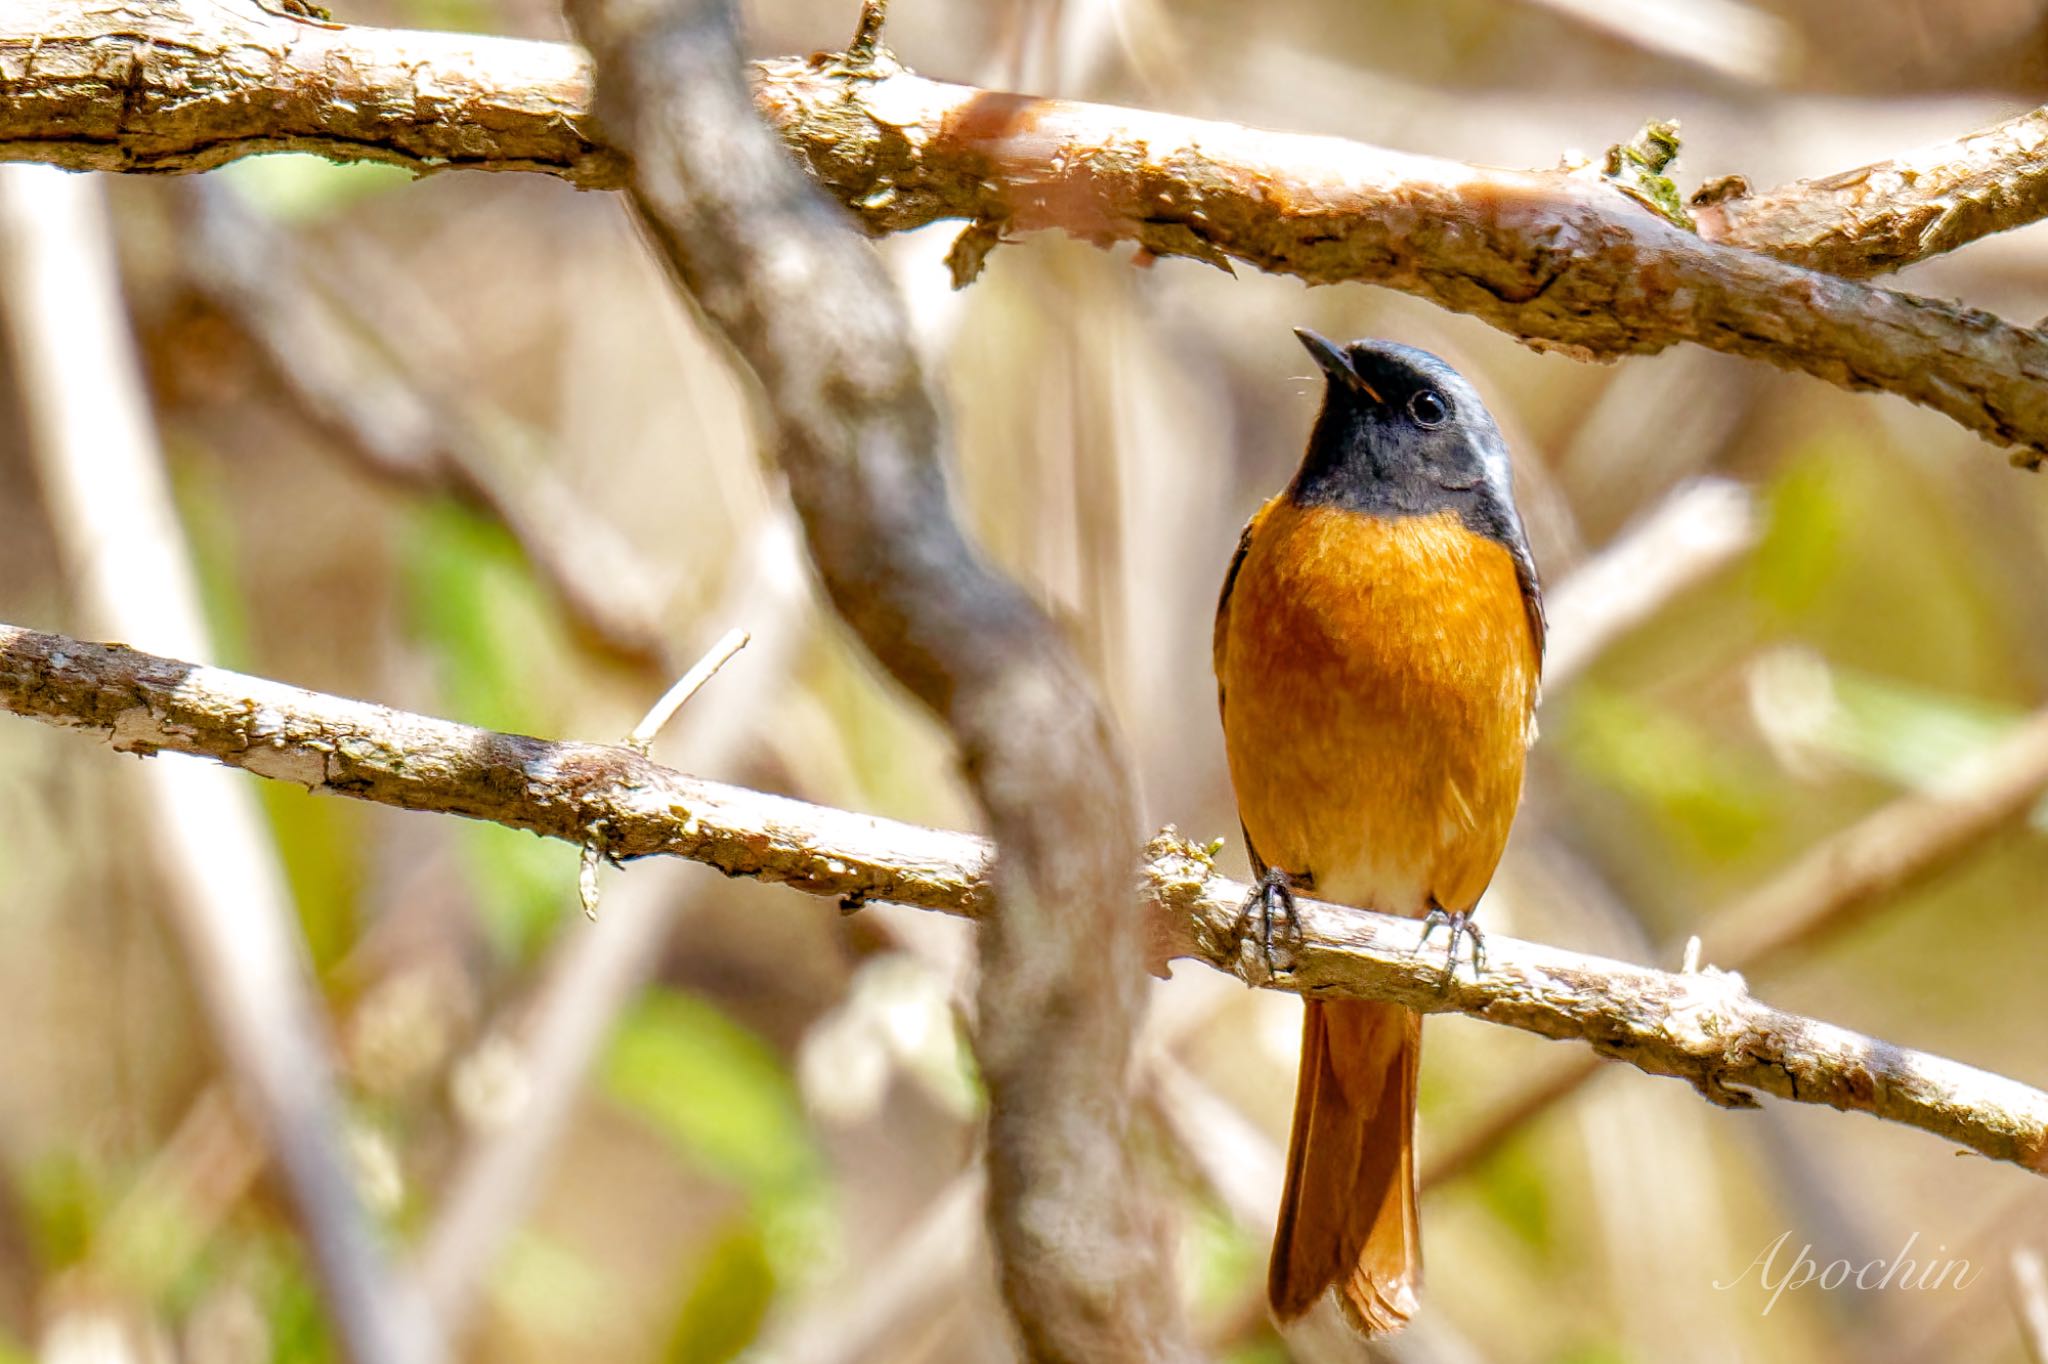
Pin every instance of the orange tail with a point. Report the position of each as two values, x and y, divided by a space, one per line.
1347 1220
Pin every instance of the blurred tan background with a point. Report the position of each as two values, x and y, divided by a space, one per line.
769 1150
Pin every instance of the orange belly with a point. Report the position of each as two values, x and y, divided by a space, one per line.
1378 680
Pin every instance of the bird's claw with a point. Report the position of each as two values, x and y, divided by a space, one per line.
1270 901
1461 926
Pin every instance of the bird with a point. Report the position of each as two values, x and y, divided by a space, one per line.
1378 653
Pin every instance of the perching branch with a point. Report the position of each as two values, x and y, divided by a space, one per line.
189 85
1560 260
1702 1026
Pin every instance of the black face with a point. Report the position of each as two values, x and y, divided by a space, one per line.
1401 433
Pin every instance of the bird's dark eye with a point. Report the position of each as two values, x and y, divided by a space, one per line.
1428 408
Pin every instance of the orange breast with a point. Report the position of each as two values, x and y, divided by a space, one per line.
1378 679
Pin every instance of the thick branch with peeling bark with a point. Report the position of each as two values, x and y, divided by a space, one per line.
1701 1026
1886 215
188 85
1557 260
1561 261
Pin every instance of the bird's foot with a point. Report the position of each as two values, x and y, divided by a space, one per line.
1271 902
1461 926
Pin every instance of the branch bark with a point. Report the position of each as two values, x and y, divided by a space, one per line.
1887 215
1558 260
1701 1026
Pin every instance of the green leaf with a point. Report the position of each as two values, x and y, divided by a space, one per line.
319 843
523 884
64 1197
727 1103
1636 168
298 1320
1263 1351
1801 549
475 608
548 1287
726 1303
1516 1186
1216 1256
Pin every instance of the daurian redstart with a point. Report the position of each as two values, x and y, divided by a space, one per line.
1378 647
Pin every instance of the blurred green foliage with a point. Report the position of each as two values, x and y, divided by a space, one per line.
727 1297
1705 797
472 603
726 1102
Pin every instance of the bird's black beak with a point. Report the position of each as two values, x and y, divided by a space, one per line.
1334 361
1327 355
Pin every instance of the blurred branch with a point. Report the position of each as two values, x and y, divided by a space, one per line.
775 269
1726 37
2030 1299
1701 1026
1692 534
1833 885
926 1267
1885 216
221 888
359 384
1560 260
591 976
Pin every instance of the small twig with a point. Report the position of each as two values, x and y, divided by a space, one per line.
867 38
595 853
678 696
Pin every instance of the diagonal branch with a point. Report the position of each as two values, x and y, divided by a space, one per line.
1702 1026
1887 215
779 273
365 385
1558 260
